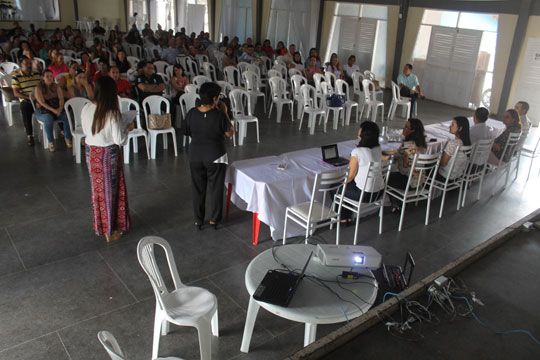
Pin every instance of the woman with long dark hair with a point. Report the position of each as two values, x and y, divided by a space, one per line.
460 129
368 150
208 125
414 142
105 133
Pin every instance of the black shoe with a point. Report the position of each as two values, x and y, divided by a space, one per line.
30 141
198 225
215 225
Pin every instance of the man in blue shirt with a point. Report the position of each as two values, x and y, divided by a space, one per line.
409 86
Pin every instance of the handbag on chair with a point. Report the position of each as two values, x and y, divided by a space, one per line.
159 122
335 100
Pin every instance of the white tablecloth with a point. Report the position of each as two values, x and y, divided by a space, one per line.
260 187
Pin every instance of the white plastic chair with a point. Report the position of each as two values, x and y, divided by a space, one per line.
114 350
232 76
357 78
274 73
376 178
371 77
294 71
336 110
191 89
225 87
253 88
160 66
127 105
342 88
257 70
424 167
279 97
282 69
296 82
240 99
458 164
42 62
397 100
309 106
517 153
9 67
14 53
169 71
209 70
153 102
279 61
181 59
183 306
59 76
191 68
187 102
313 214
70 53
369 101
476 169
318 79
242 66
330 79
74 106
267 65
133 61
532 153
5 81
201 59
504 166
200 79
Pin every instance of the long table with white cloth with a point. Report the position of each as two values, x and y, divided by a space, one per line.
258 186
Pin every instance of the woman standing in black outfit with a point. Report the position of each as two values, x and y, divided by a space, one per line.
208 124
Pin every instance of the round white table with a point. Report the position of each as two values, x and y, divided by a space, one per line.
312 302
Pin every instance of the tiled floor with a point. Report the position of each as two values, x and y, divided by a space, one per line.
61 284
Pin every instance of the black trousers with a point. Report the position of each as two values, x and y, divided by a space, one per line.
398 181
405 91
207 174
27 110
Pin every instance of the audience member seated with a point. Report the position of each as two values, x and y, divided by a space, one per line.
249 56
78 44
334 66
267 48
170 53
297 62
349 69
409 85
414 142
88 66
98 30
66 80
280 49
80 86
50 107
103 69
178 83
313 52
229 59
44 52
223 44
367 150
288 57
23 83
480 131
122 62
149 83
258 50
513 125
122 86
522 108
58 65
460 129
312 69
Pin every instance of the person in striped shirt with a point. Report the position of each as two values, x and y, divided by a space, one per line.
23 83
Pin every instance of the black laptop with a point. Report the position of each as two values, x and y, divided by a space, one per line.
330 155
278 287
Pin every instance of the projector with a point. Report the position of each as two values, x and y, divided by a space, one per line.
364 257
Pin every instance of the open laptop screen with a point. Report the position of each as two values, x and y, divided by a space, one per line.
329 151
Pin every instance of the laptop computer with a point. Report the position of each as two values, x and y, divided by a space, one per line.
330 155
278 287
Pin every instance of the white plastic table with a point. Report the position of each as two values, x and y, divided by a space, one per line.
312 303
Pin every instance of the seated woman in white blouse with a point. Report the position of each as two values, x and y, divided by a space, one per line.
367 150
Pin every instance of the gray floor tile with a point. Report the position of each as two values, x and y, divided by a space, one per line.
9 258
43 348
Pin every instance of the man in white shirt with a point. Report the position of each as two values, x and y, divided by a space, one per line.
169 54
522 108
350 68
480 131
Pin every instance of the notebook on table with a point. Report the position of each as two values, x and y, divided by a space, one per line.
278 287
330 155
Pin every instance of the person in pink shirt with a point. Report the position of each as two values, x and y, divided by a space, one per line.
58 66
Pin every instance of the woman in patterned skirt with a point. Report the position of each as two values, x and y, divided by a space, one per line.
105 133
